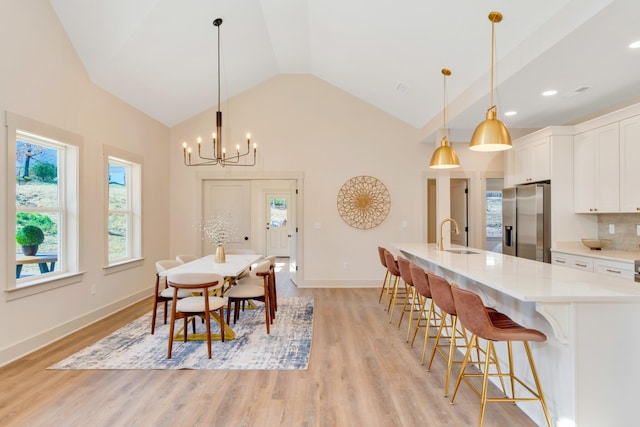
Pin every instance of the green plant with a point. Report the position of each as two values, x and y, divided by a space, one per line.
29 235
43 222
44 171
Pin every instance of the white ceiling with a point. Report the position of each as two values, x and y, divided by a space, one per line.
160 55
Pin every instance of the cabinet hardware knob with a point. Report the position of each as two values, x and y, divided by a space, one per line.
581 265
560 261
613 271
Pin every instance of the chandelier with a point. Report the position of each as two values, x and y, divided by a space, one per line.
219 156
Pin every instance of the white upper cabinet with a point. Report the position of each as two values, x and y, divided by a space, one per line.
597 170
630 165
532 161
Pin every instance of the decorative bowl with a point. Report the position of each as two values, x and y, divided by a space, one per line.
596 244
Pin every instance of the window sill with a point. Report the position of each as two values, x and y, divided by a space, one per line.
122 266
43 285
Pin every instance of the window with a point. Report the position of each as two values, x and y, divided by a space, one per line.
43 177
123 204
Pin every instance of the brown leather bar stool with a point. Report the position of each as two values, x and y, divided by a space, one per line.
493 327
423 290
394 271
411 298
443 299
386 283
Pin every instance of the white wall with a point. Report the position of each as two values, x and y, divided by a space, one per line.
304 125
43 79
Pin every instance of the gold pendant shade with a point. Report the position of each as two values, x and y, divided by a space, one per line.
491 134
444 157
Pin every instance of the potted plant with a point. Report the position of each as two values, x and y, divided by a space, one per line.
29 237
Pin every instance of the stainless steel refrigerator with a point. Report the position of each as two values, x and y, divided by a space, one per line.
526 221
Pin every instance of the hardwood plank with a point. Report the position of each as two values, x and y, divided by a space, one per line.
361 372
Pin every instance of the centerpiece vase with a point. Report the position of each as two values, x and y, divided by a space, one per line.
220 257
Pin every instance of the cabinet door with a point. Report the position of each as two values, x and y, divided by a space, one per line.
541 160
523 163
629 166
596 170
608 164
584 169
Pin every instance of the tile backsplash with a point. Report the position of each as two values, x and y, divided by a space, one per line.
625 237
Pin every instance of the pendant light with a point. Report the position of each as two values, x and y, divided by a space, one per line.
491 134
445 156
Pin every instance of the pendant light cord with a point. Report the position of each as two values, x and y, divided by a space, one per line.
218 67
493 43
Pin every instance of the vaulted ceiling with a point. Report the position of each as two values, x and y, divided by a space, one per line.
160 55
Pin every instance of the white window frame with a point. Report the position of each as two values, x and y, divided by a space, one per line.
68 270
133 164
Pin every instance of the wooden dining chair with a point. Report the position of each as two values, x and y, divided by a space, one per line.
201 305
163 294
256 287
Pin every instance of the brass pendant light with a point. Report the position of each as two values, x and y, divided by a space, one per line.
491 134
445 156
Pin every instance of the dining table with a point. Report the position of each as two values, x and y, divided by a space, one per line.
231 269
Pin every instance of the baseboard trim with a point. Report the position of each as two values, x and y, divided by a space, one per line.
36 342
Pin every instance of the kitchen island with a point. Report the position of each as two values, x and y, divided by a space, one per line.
589 366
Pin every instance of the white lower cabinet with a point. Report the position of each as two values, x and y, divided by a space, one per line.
614 268
611 267
572 261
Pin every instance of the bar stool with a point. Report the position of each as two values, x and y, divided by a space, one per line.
423 290
394 271
442 297
386 283
411 298
493 327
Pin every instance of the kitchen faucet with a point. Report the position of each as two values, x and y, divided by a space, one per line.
455 224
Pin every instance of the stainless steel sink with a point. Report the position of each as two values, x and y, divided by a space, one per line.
461 251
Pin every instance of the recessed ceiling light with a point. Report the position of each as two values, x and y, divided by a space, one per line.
635 44
510 113
549 92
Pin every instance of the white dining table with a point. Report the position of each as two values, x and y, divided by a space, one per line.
234 266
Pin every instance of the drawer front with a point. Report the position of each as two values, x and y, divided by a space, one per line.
572 261
615 268
579 263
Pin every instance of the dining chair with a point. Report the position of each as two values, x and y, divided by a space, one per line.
163 294
256 287
202 305
184 258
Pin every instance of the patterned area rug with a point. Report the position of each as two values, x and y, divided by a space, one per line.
133 347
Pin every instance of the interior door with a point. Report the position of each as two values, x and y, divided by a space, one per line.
229 196
459 211
278 221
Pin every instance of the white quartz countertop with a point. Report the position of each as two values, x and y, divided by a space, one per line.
577 248
528 280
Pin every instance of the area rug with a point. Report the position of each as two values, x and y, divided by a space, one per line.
133 347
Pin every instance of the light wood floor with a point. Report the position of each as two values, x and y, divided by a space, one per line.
361 372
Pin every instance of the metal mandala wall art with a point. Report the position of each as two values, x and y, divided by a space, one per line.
363 202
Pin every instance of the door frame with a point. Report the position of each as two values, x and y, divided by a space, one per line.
296 264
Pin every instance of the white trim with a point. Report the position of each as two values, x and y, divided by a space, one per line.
69 203
36 342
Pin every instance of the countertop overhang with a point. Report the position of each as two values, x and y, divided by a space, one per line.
528 280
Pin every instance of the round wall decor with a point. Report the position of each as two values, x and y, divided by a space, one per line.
363 202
